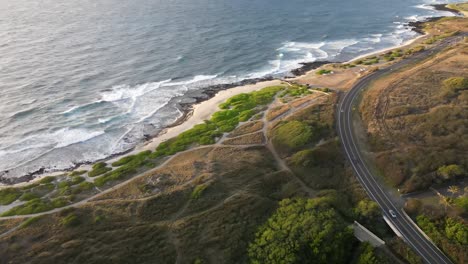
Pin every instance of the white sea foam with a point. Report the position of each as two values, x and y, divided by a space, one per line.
196 79
72 109
33 147
121 92
292 54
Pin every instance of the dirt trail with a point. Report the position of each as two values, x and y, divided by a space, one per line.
281 163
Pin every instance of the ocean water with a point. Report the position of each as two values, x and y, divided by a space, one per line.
82 80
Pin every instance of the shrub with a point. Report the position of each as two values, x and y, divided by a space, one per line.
323 72
31 207
9 195
29 187
456 83
77 179
98 169
293 134
30 221
462 203
132 158
367 255
70 220
46 180
58 202
450 171
84 186
77 173
99 219
300 231
28 196
198 191
367 209
456 231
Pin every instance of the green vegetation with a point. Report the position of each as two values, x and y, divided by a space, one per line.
98 169
392 55
453 86
132 158
302 230
71 220
323 72
367 209
30 221
86 185
292 134
317 157
296 90
237 109
369 61
415 50
450 171
198 191
27 196
120 173
9 195
46 180
31 207
462 203
448 233
436 38
463 7
77 173
77 179
368 255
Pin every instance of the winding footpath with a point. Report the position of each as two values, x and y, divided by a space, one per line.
408 230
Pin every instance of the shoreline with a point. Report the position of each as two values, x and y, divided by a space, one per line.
205 103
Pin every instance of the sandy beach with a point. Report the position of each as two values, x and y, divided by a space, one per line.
342 80
200 113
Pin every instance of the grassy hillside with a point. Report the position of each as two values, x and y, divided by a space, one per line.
417 122
212 203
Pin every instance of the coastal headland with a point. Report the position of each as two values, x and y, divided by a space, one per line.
213 187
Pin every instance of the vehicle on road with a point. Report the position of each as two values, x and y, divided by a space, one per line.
392 213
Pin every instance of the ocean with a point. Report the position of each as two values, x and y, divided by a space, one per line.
83 80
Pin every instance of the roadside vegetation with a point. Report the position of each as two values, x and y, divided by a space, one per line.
451 234
301 230
417 125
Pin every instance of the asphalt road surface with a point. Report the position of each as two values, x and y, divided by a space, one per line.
406 227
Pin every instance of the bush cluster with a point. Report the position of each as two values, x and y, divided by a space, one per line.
98 169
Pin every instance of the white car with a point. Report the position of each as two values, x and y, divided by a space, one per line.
392 213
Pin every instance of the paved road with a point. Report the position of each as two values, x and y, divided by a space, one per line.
410 232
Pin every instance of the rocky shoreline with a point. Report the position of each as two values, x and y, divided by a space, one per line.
197 97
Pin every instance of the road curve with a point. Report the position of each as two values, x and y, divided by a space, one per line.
411 234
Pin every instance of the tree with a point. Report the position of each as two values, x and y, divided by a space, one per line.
368 255
456 231
302 231
453 190
450 171
367 209
444 200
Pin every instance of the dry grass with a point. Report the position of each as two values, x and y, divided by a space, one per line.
250 139
413 128
303 100
247 128
277 111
